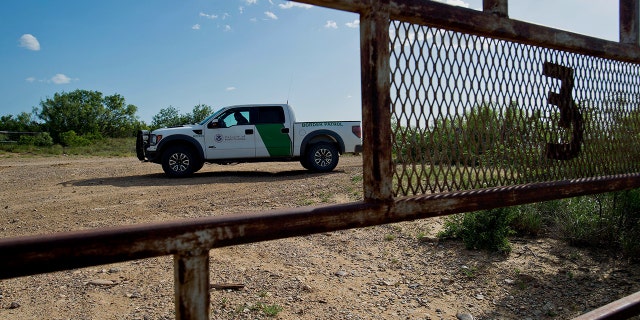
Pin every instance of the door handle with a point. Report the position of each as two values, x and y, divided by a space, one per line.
284 130
248 131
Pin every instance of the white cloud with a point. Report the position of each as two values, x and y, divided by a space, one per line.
227 28
354 24
271 15
30 79
250 2
60 79
208 16
29 42
331 25
195 27
458 3
229 88
291 4
241 9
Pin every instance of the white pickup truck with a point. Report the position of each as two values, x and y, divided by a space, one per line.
249 133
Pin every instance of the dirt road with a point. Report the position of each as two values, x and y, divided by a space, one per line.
384 272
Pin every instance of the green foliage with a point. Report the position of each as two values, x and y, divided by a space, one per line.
23 122
488 135
118 119
529 220
199 113
609 220
271 310
487 229
41 140
167 117
627 209
108 147
71 139
171 117
86 113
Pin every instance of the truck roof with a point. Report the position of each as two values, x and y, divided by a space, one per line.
258 105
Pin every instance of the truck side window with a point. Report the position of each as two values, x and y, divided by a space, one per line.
270 115
235 118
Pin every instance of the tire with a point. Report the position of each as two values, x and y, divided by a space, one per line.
305 163
198 165
180 162
321 157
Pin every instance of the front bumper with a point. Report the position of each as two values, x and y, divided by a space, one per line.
142 143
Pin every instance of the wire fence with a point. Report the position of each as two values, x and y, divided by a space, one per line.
472 112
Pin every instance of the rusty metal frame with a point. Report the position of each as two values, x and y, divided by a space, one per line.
189 241
624 308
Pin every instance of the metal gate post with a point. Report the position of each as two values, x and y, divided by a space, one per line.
191 277
376 101
629 24
498 7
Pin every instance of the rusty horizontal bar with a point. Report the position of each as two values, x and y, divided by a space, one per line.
624 308
440 15
22 256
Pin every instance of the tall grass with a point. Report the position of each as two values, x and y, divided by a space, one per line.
610 220
107 147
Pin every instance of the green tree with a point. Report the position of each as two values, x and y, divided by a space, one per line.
87 113
200 112
171 117
167 117
480 133
23 122
118 119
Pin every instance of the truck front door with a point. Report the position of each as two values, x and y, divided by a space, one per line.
232 136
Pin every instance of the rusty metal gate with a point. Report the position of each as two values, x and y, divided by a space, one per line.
462 110
470 112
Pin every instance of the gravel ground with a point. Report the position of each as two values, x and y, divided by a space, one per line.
383 272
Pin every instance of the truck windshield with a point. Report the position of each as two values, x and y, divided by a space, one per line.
215 114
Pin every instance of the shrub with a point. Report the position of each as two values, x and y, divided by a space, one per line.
71 139
533 219
487 229
41 140
626 206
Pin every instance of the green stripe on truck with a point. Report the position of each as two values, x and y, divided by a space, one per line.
278 144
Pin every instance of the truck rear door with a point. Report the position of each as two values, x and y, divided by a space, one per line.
274 133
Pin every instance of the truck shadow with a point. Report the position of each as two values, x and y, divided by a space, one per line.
199 178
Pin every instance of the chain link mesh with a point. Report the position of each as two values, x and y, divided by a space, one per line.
471 112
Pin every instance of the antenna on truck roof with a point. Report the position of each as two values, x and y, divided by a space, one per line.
290 83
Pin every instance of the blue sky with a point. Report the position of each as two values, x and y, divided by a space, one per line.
180 53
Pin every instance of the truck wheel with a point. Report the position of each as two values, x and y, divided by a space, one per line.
305 163
198 166
322 157
179 162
